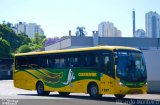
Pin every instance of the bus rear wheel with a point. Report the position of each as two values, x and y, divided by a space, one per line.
119 96
64 93
40 89
94 91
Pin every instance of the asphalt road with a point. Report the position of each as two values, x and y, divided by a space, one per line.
9 95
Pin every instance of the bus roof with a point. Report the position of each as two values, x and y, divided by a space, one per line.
111 48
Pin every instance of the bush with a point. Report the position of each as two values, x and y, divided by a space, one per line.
24 49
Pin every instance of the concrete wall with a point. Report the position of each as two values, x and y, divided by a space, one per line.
66 43
143 43
152 58
82 41
59 45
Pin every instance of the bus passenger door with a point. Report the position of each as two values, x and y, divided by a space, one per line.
107 74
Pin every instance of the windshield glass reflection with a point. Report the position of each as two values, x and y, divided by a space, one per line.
130 66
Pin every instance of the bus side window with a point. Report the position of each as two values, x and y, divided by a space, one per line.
76 61
61 63
56 64
21 63
108 65
67 63
33 62
97 61
90 60
73 60
51 62
43 62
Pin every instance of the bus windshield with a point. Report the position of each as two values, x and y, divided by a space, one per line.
130 66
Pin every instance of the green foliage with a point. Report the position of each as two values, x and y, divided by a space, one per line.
23 39
10 36
38 41
34 46
31 44
4 49
11 42
24 49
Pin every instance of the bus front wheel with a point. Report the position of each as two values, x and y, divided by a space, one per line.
40 89
94 91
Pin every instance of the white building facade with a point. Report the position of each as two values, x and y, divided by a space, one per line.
107 29
140 33
152 24
33 28
20 27
30 29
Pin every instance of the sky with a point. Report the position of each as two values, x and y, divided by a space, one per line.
57 17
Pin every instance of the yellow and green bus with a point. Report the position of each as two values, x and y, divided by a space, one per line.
96 70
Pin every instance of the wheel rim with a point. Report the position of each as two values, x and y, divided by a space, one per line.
94 91
40 88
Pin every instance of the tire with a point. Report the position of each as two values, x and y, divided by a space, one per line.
94 91
40 89
119 96
64 93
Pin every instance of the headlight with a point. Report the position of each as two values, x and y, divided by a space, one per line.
120 83
146 84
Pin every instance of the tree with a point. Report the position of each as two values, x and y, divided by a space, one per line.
4 49
10 36
37 42
23 49
39 39
34 46
81 31
23 39
9 24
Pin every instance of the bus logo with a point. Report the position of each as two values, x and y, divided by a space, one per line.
70 77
